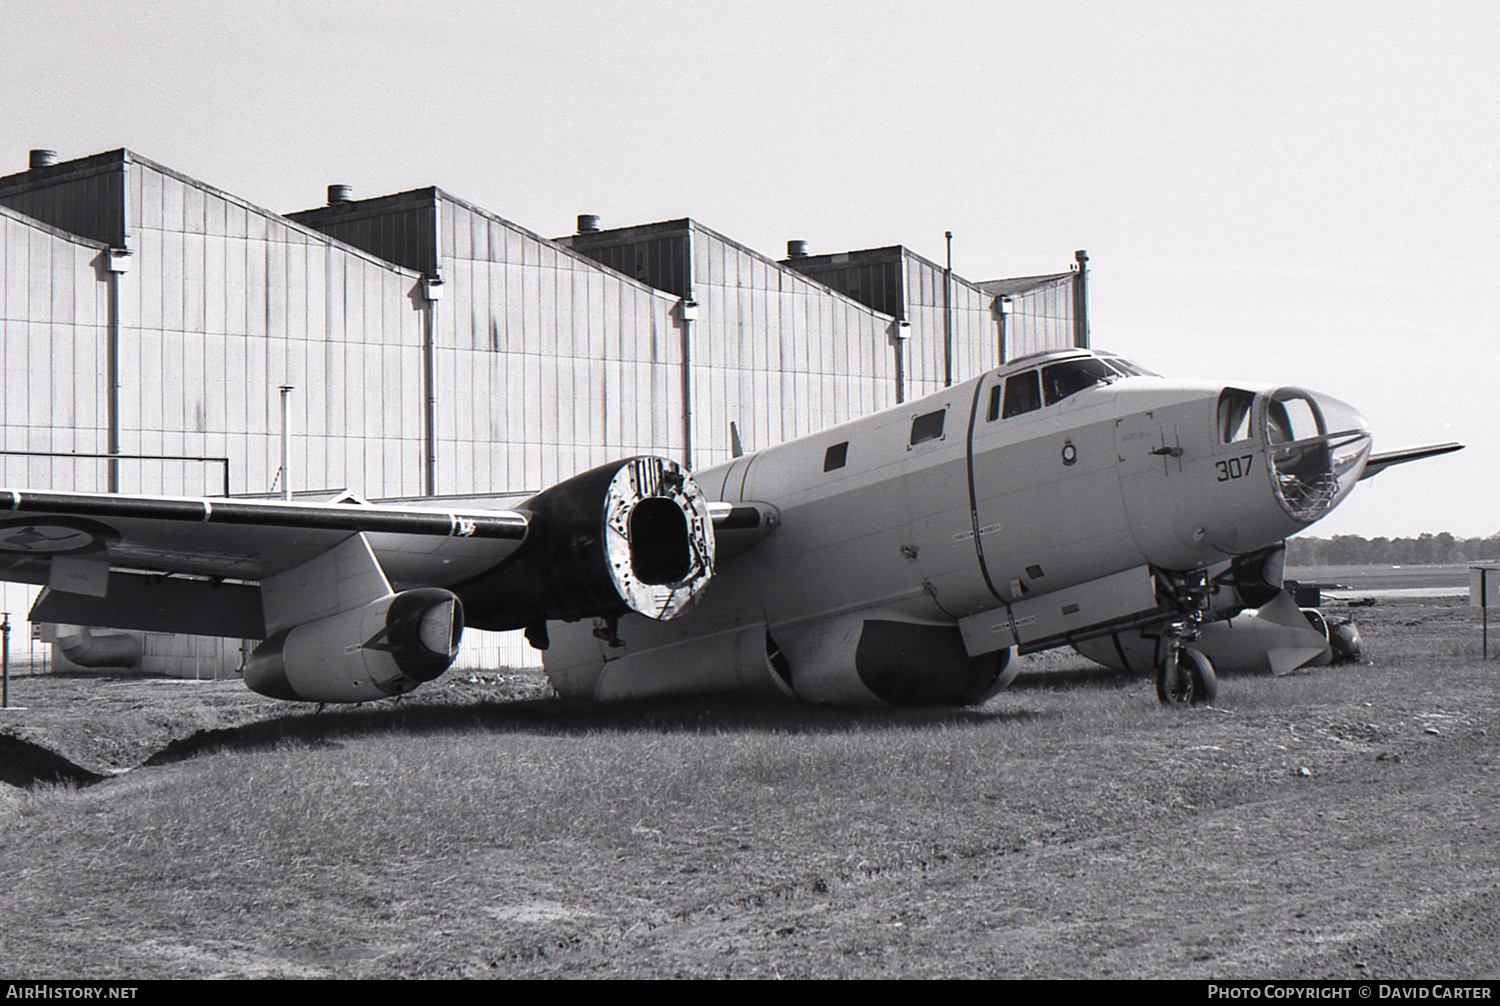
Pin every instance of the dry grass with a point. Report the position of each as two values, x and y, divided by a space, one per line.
548 838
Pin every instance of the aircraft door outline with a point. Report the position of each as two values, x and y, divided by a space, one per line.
985 390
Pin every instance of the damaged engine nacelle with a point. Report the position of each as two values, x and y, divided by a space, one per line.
399 642
632 535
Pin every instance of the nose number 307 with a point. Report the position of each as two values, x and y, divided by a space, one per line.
1233 468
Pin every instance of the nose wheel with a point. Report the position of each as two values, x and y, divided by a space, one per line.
1184 676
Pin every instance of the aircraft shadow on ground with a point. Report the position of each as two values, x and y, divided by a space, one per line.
565 717
1100 677
24 764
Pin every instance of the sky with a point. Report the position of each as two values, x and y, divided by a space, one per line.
1298 193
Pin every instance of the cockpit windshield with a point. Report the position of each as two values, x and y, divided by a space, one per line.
1062 380
1125 367
1028 390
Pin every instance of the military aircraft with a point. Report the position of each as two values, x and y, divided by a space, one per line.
904 557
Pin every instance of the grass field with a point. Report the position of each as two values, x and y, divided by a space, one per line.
1383 577
1335 824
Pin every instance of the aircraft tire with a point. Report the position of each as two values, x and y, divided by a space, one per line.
1191 682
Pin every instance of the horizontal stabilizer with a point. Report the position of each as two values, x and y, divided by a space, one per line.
1282 610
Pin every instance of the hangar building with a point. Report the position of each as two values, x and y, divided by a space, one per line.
149 323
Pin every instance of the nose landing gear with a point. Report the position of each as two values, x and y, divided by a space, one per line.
1184 676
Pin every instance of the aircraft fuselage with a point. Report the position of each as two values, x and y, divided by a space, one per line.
1027 503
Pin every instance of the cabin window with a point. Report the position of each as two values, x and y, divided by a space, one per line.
836 456
1063 380
1022 394
993 413
928 427
1234 415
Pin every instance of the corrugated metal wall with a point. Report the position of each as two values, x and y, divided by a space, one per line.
975 336
907 286
1041 318
399 228
225 303
53 317
776 353
84 197
548 364
658 262
874 279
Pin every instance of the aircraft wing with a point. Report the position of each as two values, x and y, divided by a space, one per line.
1380 462
160 563
630 535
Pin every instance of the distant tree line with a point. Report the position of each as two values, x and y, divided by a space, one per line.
1423 550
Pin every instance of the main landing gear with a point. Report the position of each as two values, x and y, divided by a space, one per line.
1184 676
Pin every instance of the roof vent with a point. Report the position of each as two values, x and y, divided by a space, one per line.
796 249
588 223
340 194
43 158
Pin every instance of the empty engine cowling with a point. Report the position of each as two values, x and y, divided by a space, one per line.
632 535
388 647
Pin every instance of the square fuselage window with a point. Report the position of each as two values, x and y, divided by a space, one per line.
928 427
836 456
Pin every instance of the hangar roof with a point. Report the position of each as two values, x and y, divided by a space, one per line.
1021 284
92 197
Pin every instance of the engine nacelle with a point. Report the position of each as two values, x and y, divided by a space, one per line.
855 660
632 535
732 661
388 647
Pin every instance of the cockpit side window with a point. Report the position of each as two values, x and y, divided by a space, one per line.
1022 394
1234 415
1062 380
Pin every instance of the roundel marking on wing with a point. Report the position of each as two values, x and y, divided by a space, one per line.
55 536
